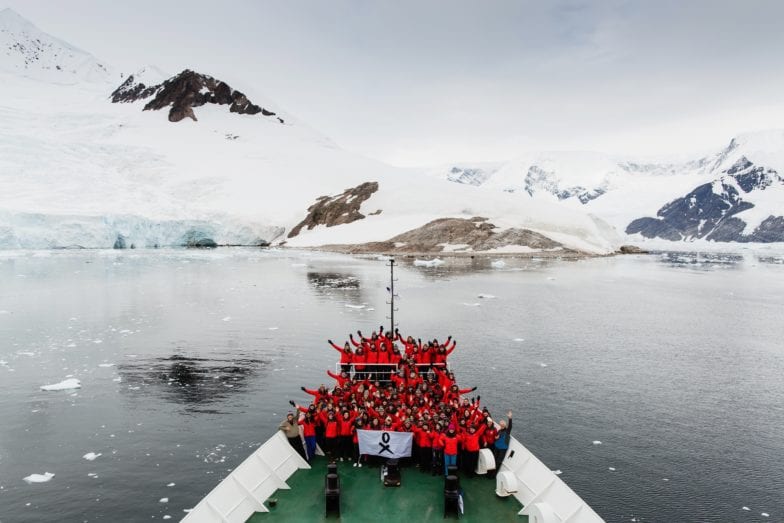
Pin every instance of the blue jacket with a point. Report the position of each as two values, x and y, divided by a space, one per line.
502 442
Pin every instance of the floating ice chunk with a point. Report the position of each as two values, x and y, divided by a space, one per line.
370 309
92 475
498 264
429 263
551 278
350 306
745 508
125 331
106 365
39 478
665 479
272 328
764 514
91 456
486 296
597 442
519 339
167 516
471 304
557 472
163 500
71 383
543 365
118 379
227 318
611 469
170 485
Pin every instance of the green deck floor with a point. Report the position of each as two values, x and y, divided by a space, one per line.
364 498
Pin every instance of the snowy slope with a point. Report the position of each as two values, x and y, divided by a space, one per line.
27 51
76 169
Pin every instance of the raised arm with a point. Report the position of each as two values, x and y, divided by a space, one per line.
336 347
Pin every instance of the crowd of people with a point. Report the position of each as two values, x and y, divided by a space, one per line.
388 382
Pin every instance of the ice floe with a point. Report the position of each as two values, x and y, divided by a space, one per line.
611 469
170 485
39 478
436 262
498 264
71 383
106 365
227 318
519 339
471 304
596 442
350 306
167 516
486 296
91 456
163 500
764 514
745 508
557 472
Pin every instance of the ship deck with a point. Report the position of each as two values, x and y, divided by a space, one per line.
365 498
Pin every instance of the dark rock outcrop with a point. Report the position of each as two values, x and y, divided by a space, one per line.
337 210
184 91
631 249
711 210
476 234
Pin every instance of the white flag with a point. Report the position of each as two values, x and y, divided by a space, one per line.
385 443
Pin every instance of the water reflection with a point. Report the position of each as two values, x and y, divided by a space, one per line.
701 260
465 265
189 380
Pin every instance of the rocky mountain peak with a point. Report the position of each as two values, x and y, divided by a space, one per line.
184 91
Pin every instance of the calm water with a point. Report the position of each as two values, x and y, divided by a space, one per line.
187 359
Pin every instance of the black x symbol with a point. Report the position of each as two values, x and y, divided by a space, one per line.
384 443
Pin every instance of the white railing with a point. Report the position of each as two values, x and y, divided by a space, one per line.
391 368
244 491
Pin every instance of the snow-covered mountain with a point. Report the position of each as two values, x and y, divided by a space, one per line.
27 51
745 203
151 159
626 192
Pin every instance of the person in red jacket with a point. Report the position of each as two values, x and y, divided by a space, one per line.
341 378
450 442
470 442
346 356
308 424
331 433
346 432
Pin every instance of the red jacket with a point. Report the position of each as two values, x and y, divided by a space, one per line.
308 427
450 443
345 357
471 441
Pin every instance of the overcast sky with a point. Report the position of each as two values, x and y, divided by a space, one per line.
429 82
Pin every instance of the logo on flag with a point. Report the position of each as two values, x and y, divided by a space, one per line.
385 443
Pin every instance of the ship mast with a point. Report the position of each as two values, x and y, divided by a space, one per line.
391 290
